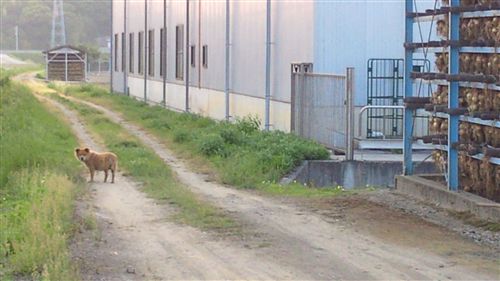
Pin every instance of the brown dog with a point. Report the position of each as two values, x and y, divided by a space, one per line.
98 162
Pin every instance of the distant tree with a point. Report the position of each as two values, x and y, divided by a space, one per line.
33 23
85 21
92 51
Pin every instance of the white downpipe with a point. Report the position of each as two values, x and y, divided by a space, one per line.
226 88
268 65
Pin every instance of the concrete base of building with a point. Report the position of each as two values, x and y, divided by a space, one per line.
426 188
351 174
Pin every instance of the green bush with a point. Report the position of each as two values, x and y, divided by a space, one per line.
39 76
211 145
52 85
231 135
248 124
4 78
159 124
181 136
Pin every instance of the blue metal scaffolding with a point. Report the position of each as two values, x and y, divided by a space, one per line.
454 45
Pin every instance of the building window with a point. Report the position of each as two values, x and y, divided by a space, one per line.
179 52
131 53
124 52
205 56
140 56
151 52
163 44
116 52
193 55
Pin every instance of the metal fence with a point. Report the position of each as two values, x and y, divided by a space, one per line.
385 89
98 65
322 107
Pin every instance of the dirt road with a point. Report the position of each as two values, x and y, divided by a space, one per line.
7 61
282 241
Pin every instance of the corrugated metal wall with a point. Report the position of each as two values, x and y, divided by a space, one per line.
292 41
331 34
348 33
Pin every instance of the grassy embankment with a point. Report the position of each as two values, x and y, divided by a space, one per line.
38 183
35 58
145 166
237 153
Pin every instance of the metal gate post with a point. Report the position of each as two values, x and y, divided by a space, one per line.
293 94
349 112
302 99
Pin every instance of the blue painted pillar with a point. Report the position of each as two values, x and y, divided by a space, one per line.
408 113
453 66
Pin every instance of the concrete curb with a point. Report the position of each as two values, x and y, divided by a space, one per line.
433 192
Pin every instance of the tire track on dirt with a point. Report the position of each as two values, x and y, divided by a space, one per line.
304 240
136 234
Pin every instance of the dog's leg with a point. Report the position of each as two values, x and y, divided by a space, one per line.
113 169
92 175
105 175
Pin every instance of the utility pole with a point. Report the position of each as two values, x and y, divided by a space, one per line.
58 34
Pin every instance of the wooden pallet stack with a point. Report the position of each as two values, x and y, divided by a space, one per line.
478 95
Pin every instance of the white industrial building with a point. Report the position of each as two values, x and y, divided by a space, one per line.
332 35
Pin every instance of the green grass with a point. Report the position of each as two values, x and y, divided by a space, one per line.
38 183
239 153
145 166
36 58
6 74
41 74
299 190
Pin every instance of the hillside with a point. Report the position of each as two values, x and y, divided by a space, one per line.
85 21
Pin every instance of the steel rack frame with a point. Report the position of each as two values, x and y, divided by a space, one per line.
453 78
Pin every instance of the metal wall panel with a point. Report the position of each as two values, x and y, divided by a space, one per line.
292 40
348 33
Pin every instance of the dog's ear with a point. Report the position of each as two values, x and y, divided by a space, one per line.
87 149
77 150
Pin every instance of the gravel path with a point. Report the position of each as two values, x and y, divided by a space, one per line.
355 240
303 245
